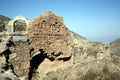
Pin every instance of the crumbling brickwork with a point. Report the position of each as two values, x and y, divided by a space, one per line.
49 33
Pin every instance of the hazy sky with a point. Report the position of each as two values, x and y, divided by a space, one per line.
97 20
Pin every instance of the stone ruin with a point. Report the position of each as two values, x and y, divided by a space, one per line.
46 32
50 47
11 28
49 33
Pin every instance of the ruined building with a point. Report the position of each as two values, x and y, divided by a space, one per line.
45 34
47 50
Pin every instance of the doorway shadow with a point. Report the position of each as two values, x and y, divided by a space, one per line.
35 62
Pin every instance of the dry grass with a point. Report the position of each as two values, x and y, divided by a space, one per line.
54 78
92 52
7 78
104 74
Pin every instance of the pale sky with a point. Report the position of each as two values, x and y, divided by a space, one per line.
96 20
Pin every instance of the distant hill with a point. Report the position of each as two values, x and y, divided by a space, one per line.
3 21
115 50
4 18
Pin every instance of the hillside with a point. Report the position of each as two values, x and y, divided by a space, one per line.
53 52
3 21
4 18
115 51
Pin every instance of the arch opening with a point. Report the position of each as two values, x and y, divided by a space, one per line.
19 26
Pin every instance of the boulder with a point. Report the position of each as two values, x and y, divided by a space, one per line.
3 47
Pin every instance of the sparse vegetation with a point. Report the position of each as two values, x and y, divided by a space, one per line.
92 52
36 75
104 74
3 21
54 78
2 27
115 51
2 71
7 78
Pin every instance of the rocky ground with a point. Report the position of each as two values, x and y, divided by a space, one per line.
53 52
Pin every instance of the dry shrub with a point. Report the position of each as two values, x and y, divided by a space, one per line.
104 74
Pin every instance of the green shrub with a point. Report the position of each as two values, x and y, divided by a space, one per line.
92 52
54 78
104 74
7 78
2 71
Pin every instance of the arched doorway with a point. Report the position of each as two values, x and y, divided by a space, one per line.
16 24
16 28
19 26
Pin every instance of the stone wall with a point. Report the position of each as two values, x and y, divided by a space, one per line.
21 58
49 33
